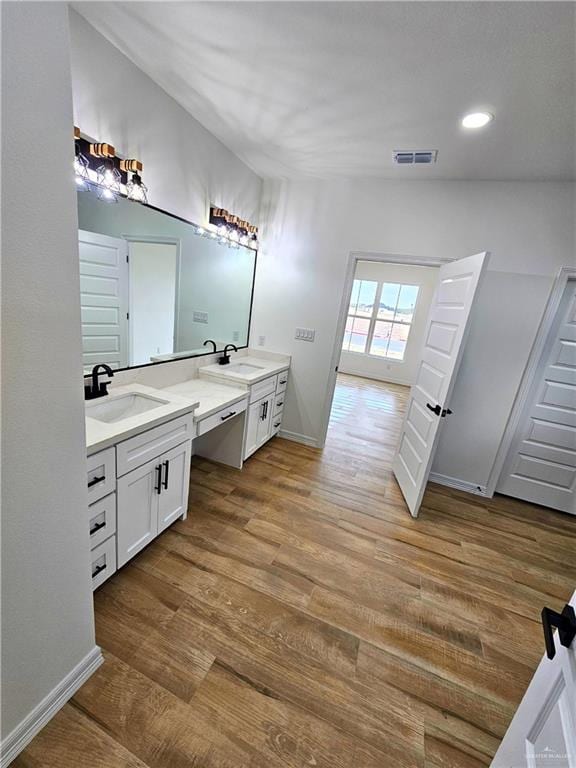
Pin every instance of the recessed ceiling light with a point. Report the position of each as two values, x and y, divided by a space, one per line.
477 119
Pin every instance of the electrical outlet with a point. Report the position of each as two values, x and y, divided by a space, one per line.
305 334
200 317
261 341
236 336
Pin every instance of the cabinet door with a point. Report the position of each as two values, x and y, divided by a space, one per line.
265 423
137 512
255 411
173 498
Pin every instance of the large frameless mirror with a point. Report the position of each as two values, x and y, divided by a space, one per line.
153 290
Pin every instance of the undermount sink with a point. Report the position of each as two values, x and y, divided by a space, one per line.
241 368
123 407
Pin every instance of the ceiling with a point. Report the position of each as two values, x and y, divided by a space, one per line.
330 89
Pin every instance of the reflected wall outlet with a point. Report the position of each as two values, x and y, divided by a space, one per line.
200 317
235 335
305 334
261 341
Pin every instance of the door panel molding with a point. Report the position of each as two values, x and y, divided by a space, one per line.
564 275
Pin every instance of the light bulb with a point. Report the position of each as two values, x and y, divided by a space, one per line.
136 190
108 179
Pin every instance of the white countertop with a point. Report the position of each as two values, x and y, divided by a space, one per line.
266 367
210 395
100 434
202 396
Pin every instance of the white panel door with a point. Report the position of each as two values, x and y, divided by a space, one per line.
541 463
542 733
103 299
444 339
137 509
173 498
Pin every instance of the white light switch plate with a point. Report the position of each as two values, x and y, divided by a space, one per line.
305 334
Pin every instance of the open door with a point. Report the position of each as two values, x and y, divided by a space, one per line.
446 332
543 730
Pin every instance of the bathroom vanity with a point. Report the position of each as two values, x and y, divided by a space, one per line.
140 440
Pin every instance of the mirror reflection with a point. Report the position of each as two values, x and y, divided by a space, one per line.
153 290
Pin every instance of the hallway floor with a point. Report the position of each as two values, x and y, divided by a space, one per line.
301 617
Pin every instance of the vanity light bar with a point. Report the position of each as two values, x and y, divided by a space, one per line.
230 228
98 169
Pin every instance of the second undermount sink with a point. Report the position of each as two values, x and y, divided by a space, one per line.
123 407
242 368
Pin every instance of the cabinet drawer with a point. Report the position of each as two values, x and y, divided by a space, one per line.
101 474
263 388
102 520
276 424
279 403
103 561
220 417
282 381
148 445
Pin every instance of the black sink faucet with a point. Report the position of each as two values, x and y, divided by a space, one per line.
209 341
225 359
98 388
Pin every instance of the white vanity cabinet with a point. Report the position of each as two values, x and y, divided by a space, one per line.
264 412
150 498
148 475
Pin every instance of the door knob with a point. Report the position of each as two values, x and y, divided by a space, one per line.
564 622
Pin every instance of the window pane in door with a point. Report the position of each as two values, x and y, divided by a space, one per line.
380 339
406 303
398 339
358 334
388 301
366 298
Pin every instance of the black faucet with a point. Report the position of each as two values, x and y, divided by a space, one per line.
225 359
209 341
98 388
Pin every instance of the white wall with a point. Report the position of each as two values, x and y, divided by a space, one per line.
47 623
309 229
387 369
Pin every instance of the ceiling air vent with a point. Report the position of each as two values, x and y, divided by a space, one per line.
415 157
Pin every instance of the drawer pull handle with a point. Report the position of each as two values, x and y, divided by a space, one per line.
98 570
166 467
95 481
280 403
283 381
158 486
97 527
232 413
277 424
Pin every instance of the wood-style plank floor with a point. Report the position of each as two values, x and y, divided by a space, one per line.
300 617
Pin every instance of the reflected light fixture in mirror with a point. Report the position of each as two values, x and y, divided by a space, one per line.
108 180
81 164
136 189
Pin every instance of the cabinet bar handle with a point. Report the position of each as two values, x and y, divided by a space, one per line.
232 413
158 486
98 570
166 467
283 381
95 481
97 527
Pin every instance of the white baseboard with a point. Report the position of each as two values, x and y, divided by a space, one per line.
461 485
23 734
296 437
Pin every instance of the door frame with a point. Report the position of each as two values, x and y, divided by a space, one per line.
353 258
564 275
